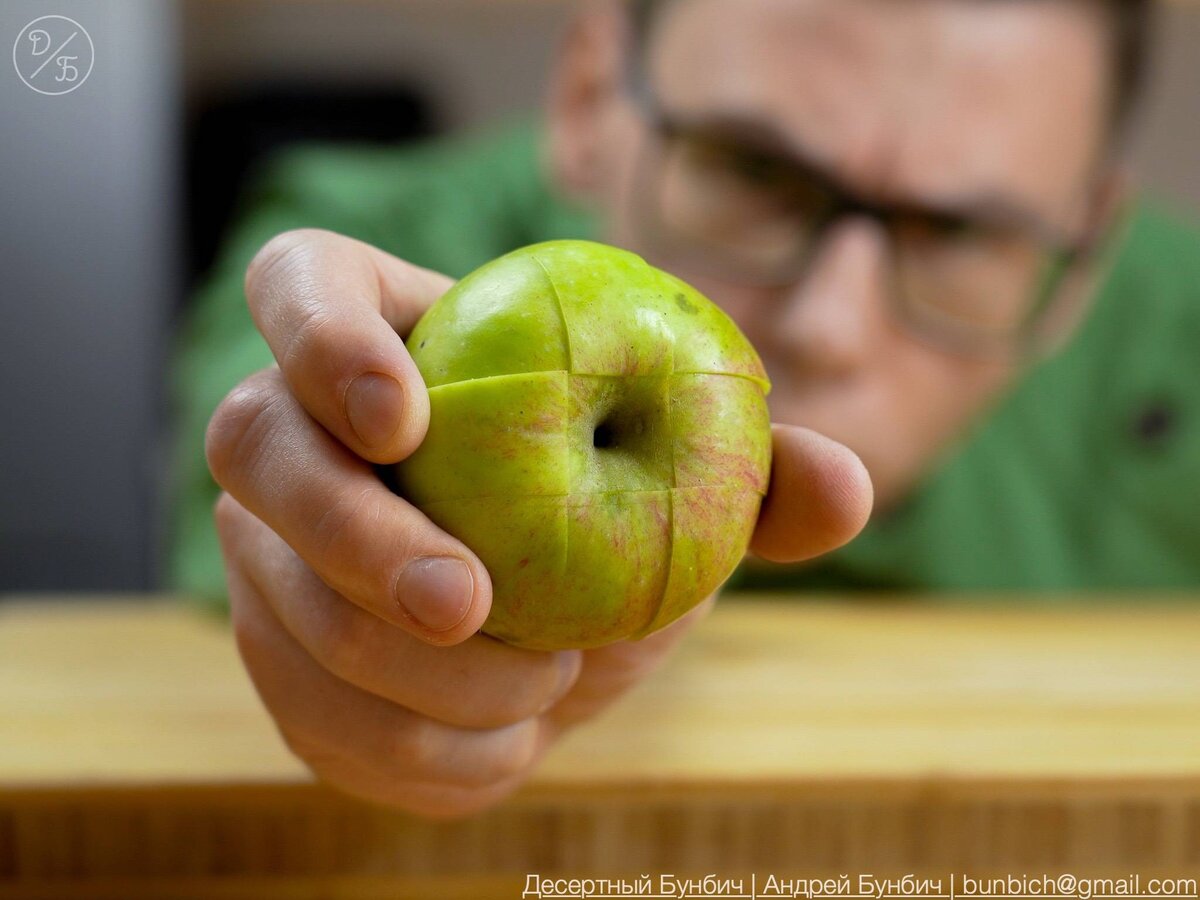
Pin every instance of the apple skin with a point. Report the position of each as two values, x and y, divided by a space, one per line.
598 436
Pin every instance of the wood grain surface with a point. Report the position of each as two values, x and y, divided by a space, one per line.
788 735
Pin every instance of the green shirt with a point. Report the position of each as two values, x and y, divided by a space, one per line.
1087 475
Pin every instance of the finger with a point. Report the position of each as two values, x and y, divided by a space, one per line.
330 308
435 801
363 541
322 712
609 671
820 497
481 683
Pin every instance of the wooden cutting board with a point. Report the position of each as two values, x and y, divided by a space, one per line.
799 734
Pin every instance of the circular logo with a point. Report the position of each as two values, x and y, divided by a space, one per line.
53 55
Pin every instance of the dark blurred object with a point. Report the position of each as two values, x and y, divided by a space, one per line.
226 136
89 212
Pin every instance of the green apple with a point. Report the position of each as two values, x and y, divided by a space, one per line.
598 435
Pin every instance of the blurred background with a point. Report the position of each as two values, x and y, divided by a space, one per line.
114 197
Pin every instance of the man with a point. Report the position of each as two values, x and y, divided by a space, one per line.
905 205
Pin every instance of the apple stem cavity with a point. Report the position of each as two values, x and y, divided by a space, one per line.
604 437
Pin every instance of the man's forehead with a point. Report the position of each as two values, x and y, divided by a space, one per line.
901 96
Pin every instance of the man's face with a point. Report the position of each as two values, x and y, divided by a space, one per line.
923 103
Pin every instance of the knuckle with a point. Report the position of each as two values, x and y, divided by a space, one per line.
252 644
284 267
526 697
227 514
418 747
343 644
238 433
500 710
338 530
317 757
501 755
352 535
515 757
505 767
309 337
424 750
280 256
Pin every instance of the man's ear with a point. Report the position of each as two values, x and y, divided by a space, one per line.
586 78
1107 220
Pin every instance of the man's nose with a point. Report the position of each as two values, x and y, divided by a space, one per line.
832 318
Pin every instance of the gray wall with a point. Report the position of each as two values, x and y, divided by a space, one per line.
1168 147
87 212
480 60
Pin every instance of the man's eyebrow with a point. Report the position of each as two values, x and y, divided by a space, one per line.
759 135
988 207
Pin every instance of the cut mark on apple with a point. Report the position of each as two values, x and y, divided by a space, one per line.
562 313
598 435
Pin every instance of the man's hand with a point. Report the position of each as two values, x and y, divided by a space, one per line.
357 617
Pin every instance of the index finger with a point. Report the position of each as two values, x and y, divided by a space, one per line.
332 310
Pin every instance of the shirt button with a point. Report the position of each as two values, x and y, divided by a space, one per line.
1155 423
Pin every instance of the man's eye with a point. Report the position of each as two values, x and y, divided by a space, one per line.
944 230
756 168
950 227
746 165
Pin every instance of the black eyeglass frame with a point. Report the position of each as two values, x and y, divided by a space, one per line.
1062 258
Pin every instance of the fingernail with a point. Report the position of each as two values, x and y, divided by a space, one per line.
374 403
436 591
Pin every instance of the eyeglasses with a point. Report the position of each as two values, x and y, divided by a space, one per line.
968 283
